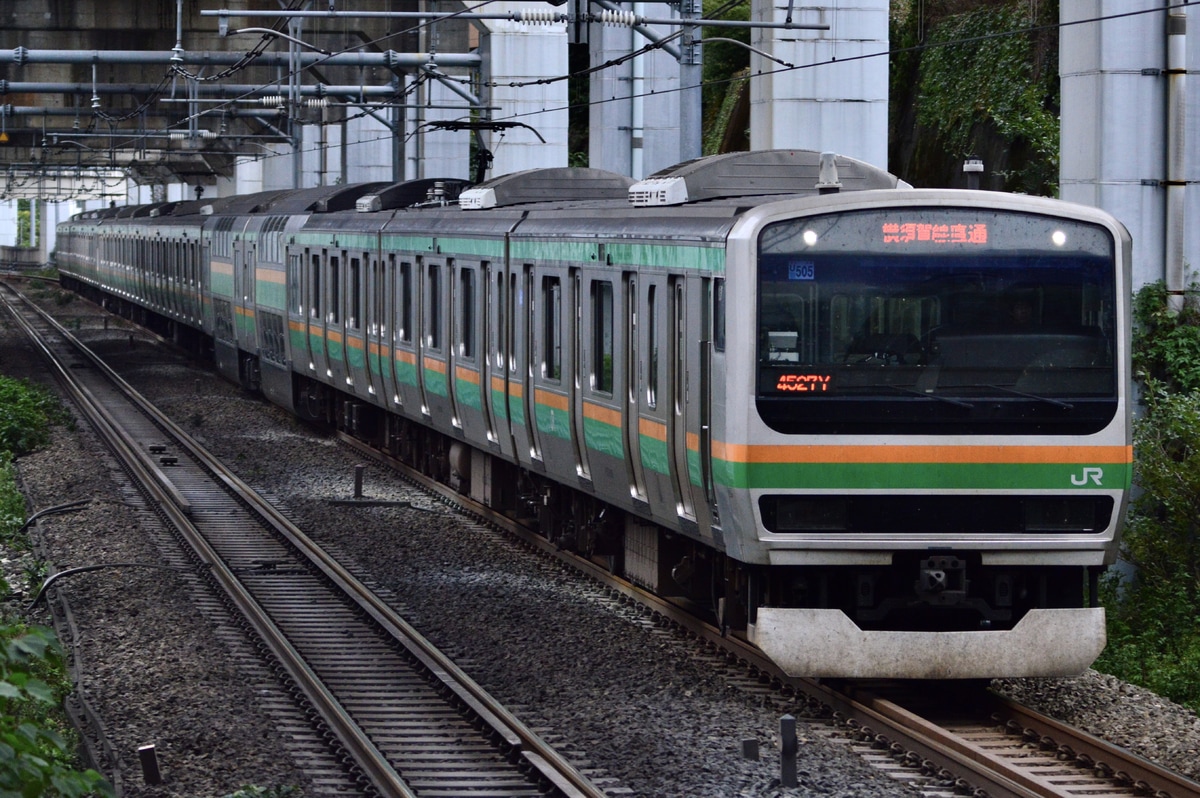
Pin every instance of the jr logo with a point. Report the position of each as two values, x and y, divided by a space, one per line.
1093 473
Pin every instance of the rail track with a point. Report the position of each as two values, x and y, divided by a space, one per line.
402 718
947 738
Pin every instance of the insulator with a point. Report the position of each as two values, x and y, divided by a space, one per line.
317 102
272 102
539 16
619 19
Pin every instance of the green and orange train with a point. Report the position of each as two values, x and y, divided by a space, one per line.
880 431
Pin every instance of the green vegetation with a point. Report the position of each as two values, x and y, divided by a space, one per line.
1154 616
726 65
35 759
35 756
26 413
975 77
264 792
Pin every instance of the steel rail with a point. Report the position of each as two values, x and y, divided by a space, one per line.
922 742
539 756
365 754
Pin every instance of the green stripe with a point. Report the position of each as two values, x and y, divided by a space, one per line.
693 466
603 438
436 383
394 243
221 284
356 354
468 393
916 476
479 247
271 295
499 406
406 372
654 454
569 251
516 410
706 259
553 421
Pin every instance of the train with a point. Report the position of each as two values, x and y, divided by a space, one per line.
876 430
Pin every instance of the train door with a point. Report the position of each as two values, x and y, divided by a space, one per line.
704 495
653 398
247 329
354 341
405 335
453 288
335 309
633 400
376 329
471 321
239 279
574 380
317 364
529 361
677 426
433 344
521 306
494 379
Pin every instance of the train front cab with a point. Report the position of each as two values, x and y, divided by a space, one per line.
933 470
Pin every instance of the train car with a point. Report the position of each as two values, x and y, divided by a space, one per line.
878 431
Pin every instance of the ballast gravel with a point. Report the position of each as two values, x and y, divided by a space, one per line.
631 703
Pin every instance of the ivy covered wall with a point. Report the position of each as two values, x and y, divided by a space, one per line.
968 77
975 77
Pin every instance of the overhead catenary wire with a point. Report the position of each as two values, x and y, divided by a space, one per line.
923 45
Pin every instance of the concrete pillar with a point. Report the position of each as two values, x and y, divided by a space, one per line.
634 116
837 100
521 53
1191 159
1113 121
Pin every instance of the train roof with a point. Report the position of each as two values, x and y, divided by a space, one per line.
711 188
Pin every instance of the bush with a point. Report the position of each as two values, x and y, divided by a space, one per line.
26 413
1154 615
34 759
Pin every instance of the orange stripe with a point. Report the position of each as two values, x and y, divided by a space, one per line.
516 390
601 413
549 399
652 429
466 375
269 276
434 365
406 357
741 453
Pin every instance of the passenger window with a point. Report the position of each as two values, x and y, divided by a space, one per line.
719 315
466 322
405 302
354 318
602 331
552 328
335 293
434 334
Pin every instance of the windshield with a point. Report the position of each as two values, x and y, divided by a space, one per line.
944 319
